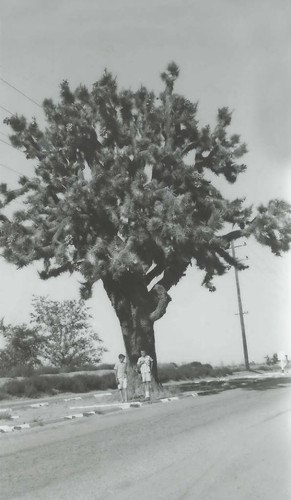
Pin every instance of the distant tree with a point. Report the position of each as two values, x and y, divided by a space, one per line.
272 360
69 339
122 193
275 358
23 345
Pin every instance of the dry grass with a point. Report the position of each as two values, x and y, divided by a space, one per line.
5 415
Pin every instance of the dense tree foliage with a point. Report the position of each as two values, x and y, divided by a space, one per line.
22 347
59 334
122 192
69 340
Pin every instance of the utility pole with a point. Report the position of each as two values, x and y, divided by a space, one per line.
241 313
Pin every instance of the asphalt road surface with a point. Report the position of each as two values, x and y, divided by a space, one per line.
235 445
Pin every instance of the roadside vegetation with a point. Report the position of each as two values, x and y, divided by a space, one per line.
38 385
58 338
32 383
5 415
190 371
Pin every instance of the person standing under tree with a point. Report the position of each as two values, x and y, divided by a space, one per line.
144 363
121 377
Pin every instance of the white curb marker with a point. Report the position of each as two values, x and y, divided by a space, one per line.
112 405
104 394
21 426
38 405
9 428
6 428
168 400
125 406
77 415
73 399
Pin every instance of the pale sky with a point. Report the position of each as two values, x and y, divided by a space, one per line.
230 53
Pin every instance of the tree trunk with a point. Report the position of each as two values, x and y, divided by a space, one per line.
134 309
140 337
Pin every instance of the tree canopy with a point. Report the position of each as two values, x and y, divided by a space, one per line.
59 334
121 193
22 346
69 340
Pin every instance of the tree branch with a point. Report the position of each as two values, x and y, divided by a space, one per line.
173 274
55 271
156 271
233 235
162 299
4 218
189 147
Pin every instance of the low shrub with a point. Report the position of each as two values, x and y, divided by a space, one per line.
107 381
29 389
105 366
221 371
14 388
27 370
17 371
267 368
47 380
3 394
5 415
46 370
37 385
168 371
238 368
83 368
190 371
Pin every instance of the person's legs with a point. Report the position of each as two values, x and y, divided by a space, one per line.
146 379
144 383
147 390
144 387
120 390
125 390
147 385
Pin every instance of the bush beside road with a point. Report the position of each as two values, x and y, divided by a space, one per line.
40 383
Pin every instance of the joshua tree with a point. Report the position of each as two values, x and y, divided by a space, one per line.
121 193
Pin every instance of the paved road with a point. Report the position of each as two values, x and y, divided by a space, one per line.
235 445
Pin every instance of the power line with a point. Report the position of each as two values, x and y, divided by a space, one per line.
6 110
20 92
20 150
9 168
7 143
14 149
